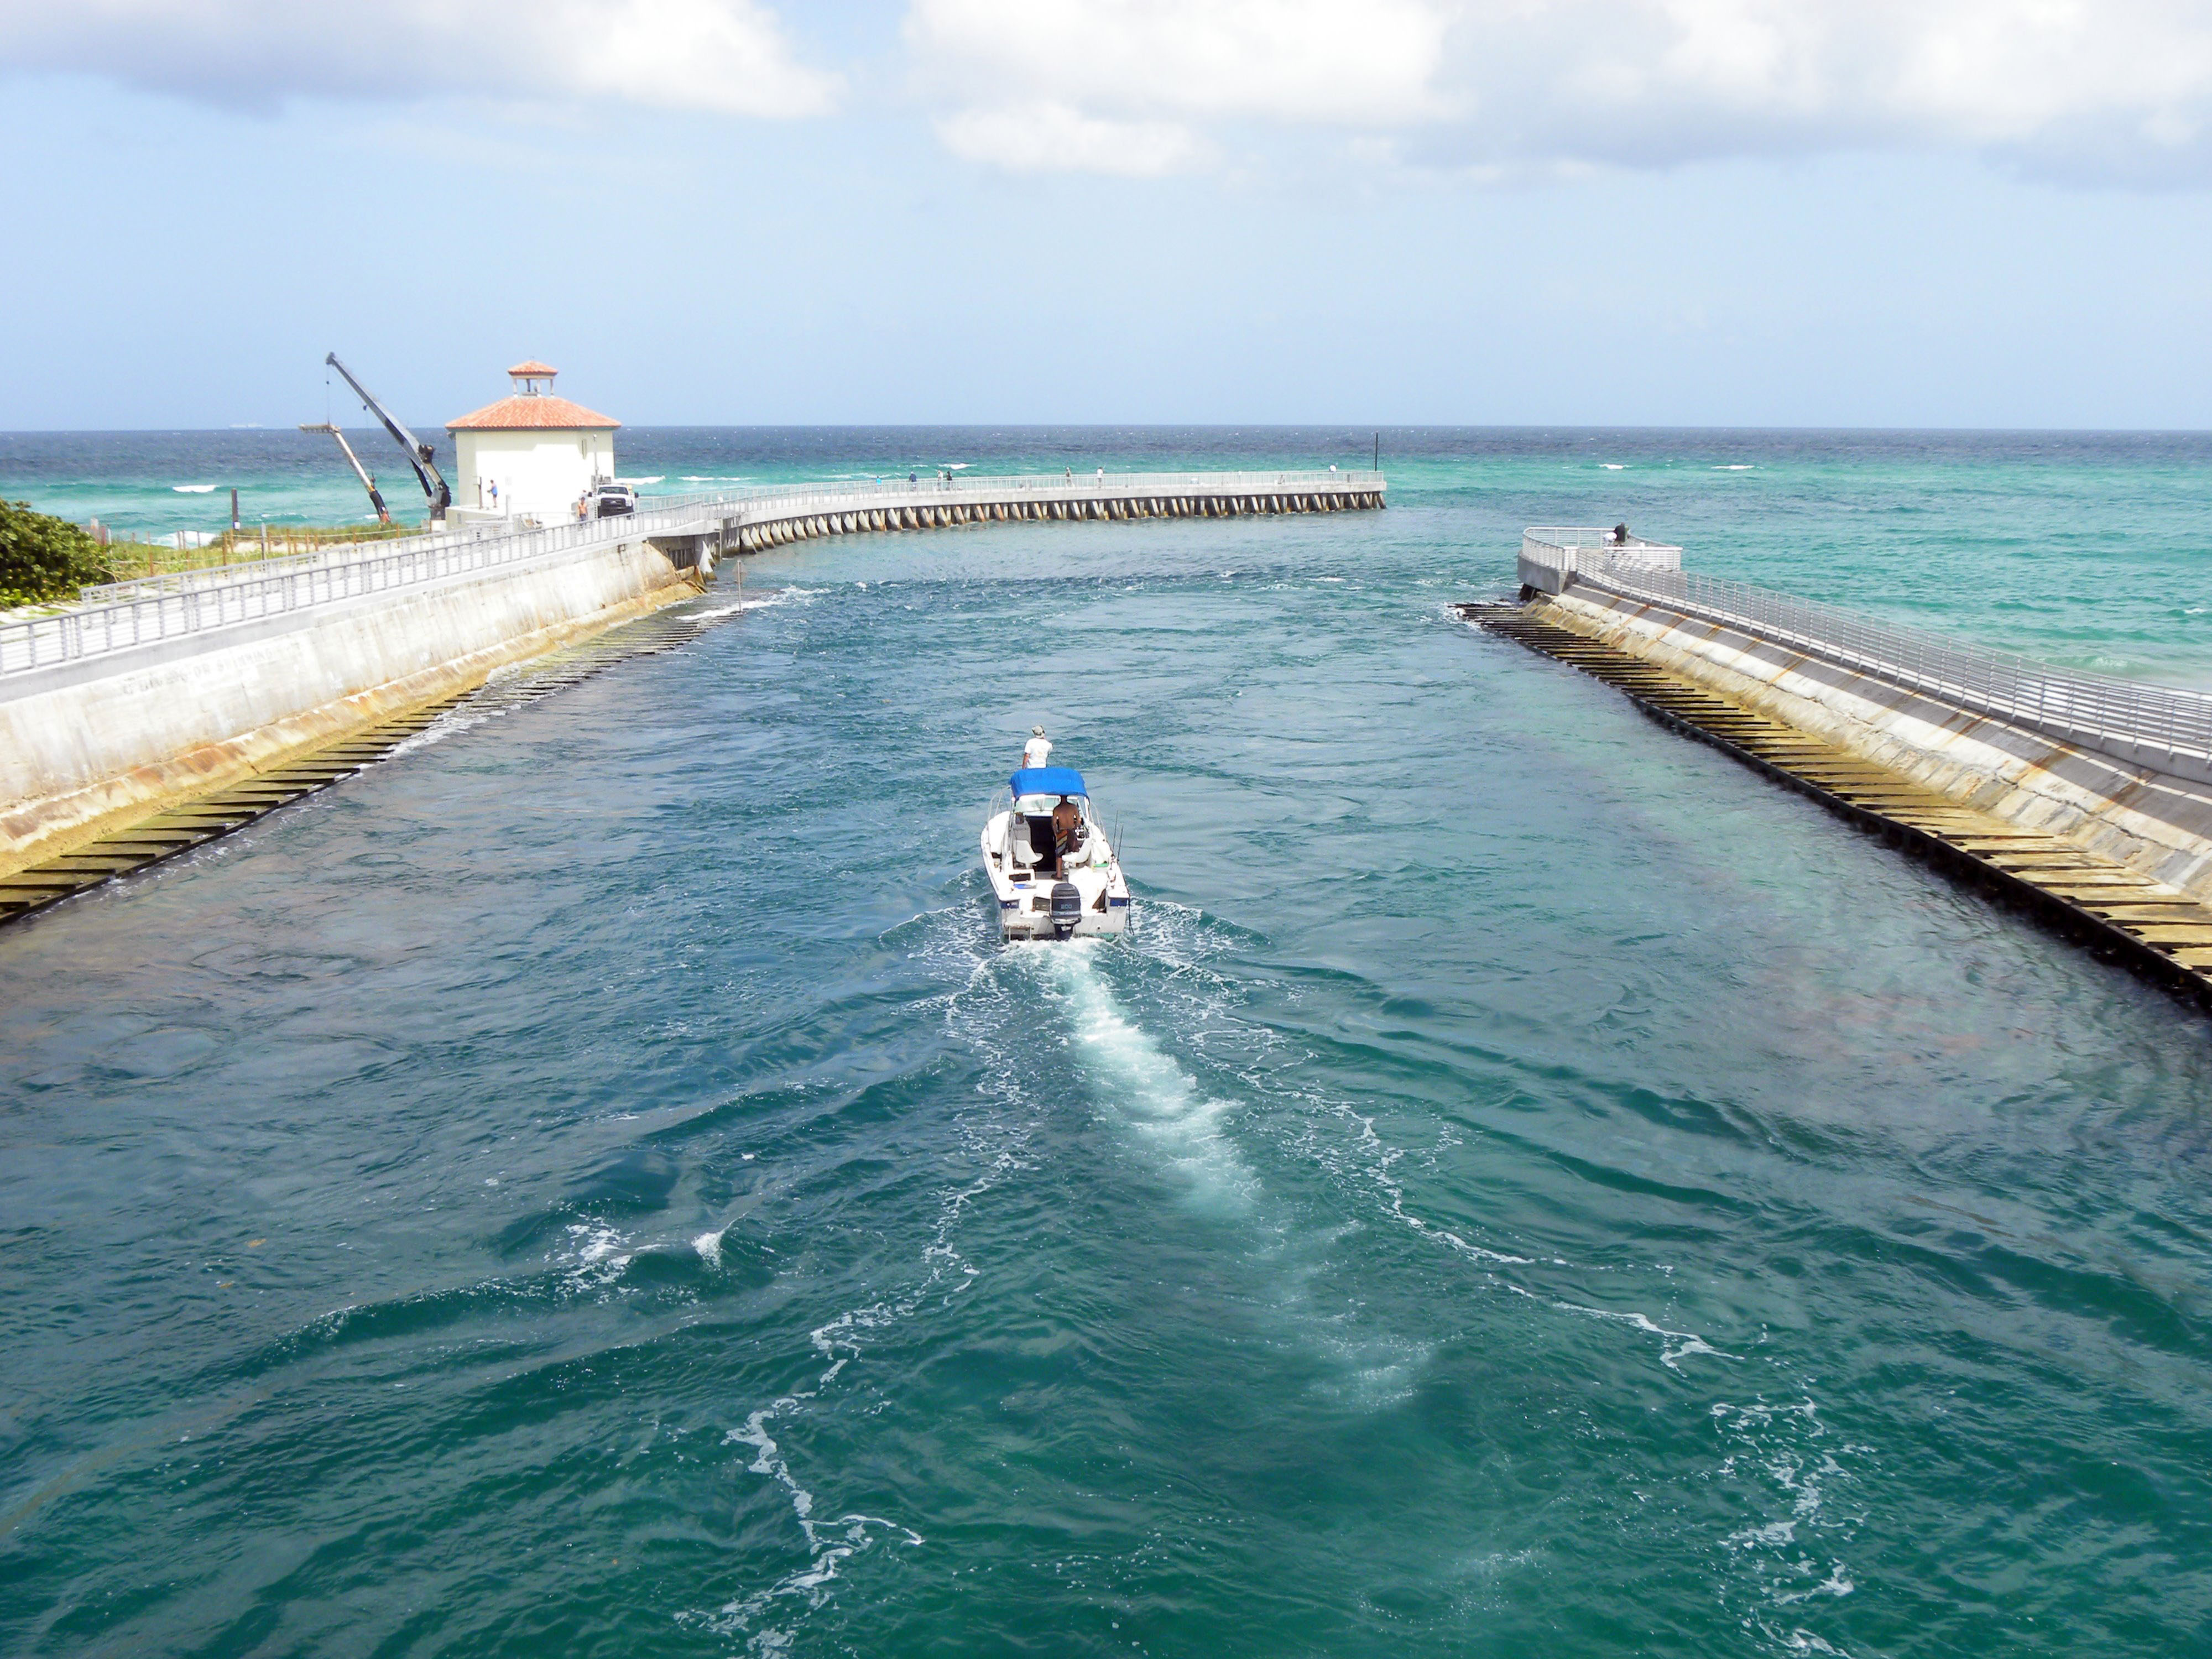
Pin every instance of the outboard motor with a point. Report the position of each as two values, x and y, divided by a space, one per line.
1066 909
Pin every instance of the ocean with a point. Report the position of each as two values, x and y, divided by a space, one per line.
594 1184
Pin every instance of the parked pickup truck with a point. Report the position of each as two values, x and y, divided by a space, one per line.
611 500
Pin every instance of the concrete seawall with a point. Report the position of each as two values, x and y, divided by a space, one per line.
165 689
85 743
2137 815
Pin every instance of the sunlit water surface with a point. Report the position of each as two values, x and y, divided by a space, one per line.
594 1184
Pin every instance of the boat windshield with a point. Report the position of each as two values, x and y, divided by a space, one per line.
1041 806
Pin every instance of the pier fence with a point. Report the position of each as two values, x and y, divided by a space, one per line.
2169 727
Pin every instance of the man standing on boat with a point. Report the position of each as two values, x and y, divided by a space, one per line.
1037 752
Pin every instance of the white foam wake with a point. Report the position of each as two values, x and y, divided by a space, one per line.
1674 1345
1140 1086
1792 1559
1187 1133
999 1145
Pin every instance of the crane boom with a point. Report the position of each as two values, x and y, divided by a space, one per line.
375 499
420 455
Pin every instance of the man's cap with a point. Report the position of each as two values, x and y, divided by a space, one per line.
1036 731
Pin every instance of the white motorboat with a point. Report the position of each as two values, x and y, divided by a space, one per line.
1055 872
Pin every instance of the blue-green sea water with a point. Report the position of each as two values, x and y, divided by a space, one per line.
594 1185
2088 550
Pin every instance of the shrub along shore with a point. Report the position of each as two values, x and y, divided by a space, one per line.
43 558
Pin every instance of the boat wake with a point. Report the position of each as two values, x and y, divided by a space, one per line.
1185 1130
1161 1106
995 1137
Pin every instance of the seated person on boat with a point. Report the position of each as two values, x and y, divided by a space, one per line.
1050 834
1053 873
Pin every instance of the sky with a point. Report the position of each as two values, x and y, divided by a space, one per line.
1887 213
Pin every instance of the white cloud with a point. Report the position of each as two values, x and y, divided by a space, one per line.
729 56
1300 60
1055 138
2113 89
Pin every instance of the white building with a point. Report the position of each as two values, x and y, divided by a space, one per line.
530 455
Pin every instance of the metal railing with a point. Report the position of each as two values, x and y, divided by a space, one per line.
1587 536
126 614
2167 726
1562 550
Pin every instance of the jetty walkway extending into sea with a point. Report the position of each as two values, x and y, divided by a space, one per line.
686 529
2088 798
206 696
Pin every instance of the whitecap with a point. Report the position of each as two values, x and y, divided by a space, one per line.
1773 1535
195 489
1675 1345
1615 466
598 1254
1740 466
1837 1582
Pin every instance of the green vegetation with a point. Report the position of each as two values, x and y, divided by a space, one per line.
43 557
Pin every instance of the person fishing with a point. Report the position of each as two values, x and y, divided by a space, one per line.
1037 752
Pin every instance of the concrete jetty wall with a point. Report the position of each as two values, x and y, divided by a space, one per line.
2153 820
87 744
162 689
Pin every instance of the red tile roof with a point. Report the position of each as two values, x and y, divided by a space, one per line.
527 414
531 366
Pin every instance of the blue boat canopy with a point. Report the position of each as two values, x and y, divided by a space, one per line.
1047 781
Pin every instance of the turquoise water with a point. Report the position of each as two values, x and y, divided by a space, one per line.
2085 549
594 1185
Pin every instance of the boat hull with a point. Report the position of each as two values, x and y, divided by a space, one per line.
1025 894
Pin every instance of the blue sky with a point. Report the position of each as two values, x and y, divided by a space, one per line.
1726 212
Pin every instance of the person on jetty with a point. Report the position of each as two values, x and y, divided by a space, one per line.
1037 752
